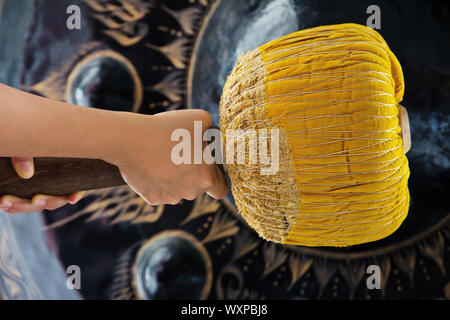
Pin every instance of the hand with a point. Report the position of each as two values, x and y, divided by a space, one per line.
144 159
11 204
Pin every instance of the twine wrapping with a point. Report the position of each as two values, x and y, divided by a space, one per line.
332 92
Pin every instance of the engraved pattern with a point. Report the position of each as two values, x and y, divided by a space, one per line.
172 86
53 86
298 266
127 207
122 21
274 256
186 18
222 226
202 205
176 51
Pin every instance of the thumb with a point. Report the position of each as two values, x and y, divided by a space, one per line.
24 167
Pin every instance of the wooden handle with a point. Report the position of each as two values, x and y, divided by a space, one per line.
404 124
59 176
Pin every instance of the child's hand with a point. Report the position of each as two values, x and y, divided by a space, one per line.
25 169
144 158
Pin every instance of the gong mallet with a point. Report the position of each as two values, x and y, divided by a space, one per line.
333 94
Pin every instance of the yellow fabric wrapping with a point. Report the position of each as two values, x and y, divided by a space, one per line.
335 90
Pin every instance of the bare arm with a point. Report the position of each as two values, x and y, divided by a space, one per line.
139 145
32 126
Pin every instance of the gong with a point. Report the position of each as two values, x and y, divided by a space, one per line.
235 27
153 56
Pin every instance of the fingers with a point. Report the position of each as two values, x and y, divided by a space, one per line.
154 201
219 189
53 202
75 197
24 167
13 204
39 202
205 118
48 202
5 203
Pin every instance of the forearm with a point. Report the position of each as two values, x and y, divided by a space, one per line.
32 126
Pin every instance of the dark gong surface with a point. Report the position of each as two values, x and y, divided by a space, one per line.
416 31
103 82
170 268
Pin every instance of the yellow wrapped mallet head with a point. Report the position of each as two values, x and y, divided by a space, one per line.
333 93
